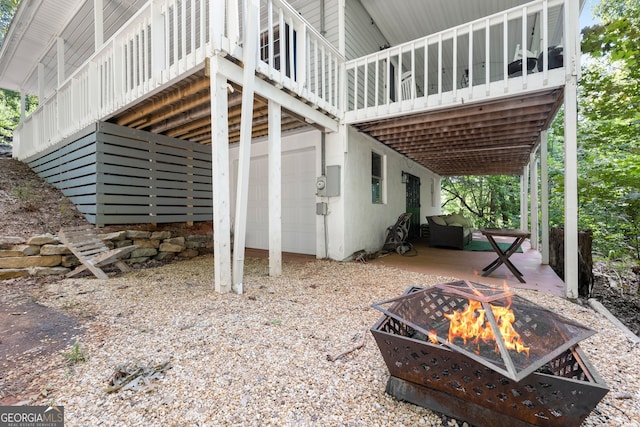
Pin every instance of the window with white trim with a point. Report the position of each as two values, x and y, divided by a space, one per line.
377 178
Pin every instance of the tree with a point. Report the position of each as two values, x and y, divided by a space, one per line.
7 10
493 201
10 112
608 133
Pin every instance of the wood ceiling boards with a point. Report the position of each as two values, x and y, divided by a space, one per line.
489 138
184 111
484 138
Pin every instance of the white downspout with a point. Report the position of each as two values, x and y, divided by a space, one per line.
544 189
572 67
533 171
524 198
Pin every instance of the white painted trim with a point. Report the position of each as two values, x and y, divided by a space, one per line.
572 53
60 57
234 73
275 189
98 22
250 53
524 198
533 171
544 184
220 180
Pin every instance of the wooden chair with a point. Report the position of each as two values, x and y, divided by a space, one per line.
92 252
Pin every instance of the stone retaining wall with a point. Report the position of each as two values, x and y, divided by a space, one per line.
43 255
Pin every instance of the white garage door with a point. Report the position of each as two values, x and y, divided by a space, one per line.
298 203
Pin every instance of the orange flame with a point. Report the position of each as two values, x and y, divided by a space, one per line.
471 324
433 336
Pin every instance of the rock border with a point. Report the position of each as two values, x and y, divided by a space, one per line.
44 255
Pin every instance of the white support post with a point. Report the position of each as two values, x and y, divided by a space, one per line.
524 198
98 19
250 52
233 23
544 189
220 179
533 172
217 14
275 189
23 106
572 67
41 93
60 56
157 43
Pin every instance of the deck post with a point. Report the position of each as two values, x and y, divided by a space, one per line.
572 67
544 184
98 20
524 199
249 51
275 189
60 57
533 171
220 179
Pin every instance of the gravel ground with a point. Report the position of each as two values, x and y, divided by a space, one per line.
261 358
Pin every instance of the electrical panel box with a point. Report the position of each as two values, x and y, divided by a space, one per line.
329 185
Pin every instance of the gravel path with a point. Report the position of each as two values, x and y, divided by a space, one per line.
261 358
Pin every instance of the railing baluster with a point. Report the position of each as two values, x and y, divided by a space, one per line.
545 40
505 53
414 78
487 59
525 49
183 35
388 77
470 63
454 74
376 82
439 70
366 84
426 70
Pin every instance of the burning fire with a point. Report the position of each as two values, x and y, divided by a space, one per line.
472 324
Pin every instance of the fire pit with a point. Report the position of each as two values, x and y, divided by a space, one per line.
486 356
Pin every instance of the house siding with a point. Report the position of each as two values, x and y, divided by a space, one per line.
362 35
311 11
300 164
355 223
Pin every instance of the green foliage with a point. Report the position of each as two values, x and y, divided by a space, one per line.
28 196
10 112
608 148
608 135
7 10
491 201
75 355
9 100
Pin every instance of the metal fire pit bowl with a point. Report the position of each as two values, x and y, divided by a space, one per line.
561 392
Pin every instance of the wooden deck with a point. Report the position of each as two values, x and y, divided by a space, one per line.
468 265
465 265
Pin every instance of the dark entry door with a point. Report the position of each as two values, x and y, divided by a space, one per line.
413 204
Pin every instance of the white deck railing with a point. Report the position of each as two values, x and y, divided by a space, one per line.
168 39
461 64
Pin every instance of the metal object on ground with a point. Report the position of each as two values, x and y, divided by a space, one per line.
482 381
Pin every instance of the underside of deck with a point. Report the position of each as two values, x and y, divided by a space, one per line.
484 138
183 111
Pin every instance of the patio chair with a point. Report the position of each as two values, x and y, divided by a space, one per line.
397 234
406 86
92 252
